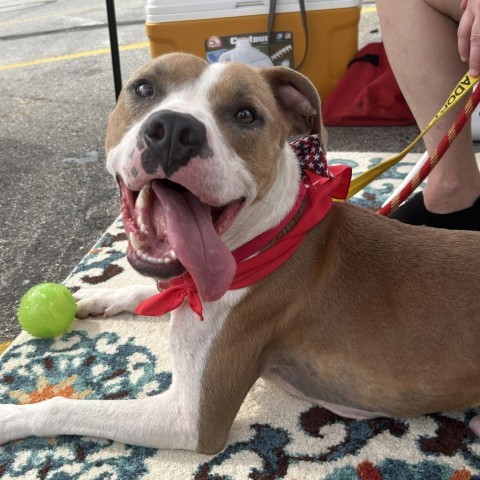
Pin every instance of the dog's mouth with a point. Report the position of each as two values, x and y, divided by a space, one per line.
170 231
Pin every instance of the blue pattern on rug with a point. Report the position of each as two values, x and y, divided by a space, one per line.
72 458
272 446
77 366
104 367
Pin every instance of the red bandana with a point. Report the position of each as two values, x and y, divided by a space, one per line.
320 184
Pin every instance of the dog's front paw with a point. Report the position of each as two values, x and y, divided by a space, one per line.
101 301
110 301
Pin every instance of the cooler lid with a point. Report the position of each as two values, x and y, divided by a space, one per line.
159 11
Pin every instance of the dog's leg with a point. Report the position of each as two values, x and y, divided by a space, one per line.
196 413
160 421
111 301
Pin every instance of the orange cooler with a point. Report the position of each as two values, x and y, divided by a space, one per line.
195 26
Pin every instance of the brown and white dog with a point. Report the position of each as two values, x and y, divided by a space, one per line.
370 317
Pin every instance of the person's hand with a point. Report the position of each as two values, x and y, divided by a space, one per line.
469 35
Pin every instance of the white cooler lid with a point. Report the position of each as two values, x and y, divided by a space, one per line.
159 11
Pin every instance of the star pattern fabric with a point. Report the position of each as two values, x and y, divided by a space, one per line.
311 156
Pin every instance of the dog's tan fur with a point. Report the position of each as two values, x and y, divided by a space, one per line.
394 320
374 314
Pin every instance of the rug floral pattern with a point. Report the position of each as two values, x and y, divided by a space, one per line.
275 436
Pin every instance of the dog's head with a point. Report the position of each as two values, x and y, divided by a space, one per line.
193 146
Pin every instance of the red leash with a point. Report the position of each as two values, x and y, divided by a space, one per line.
442 147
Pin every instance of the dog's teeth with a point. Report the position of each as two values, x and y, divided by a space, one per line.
141 224
150 259
135 242
143 197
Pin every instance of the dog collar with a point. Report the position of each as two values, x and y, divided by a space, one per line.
320 185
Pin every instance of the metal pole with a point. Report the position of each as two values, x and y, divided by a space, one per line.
112 29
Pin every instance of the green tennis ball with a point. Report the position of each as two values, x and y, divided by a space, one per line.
47 310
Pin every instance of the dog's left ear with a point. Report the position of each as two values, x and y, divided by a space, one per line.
298 99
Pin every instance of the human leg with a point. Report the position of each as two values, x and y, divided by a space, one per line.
420 37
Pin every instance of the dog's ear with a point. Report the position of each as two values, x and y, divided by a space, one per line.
298 100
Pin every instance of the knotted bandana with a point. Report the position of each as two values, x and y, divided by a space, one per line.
320 184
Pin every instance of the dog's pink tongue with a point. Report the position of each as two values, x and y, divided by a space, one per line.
191 234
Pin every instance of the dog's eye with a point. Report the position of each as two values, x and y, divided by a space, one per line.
144 89
245 115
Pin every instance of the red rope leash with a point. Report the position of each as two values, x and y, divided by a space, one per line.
442 147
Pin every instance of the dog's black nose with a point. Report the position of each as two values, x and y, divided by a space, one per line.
173 139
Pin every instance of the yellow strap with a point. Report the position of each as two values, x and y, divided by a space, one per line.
361 181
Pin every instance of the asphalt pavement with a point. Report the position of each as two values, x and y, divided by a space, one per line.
56 91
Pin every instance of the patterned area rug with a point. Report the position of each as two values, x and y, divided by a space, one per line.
275 436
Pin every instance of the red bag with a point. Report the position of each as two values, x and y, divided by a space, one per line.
368 94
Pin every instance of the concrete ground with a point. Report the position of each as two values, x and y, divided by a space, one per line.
56 198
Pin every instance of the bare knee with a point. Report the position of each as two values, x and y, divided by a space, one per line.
448 8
